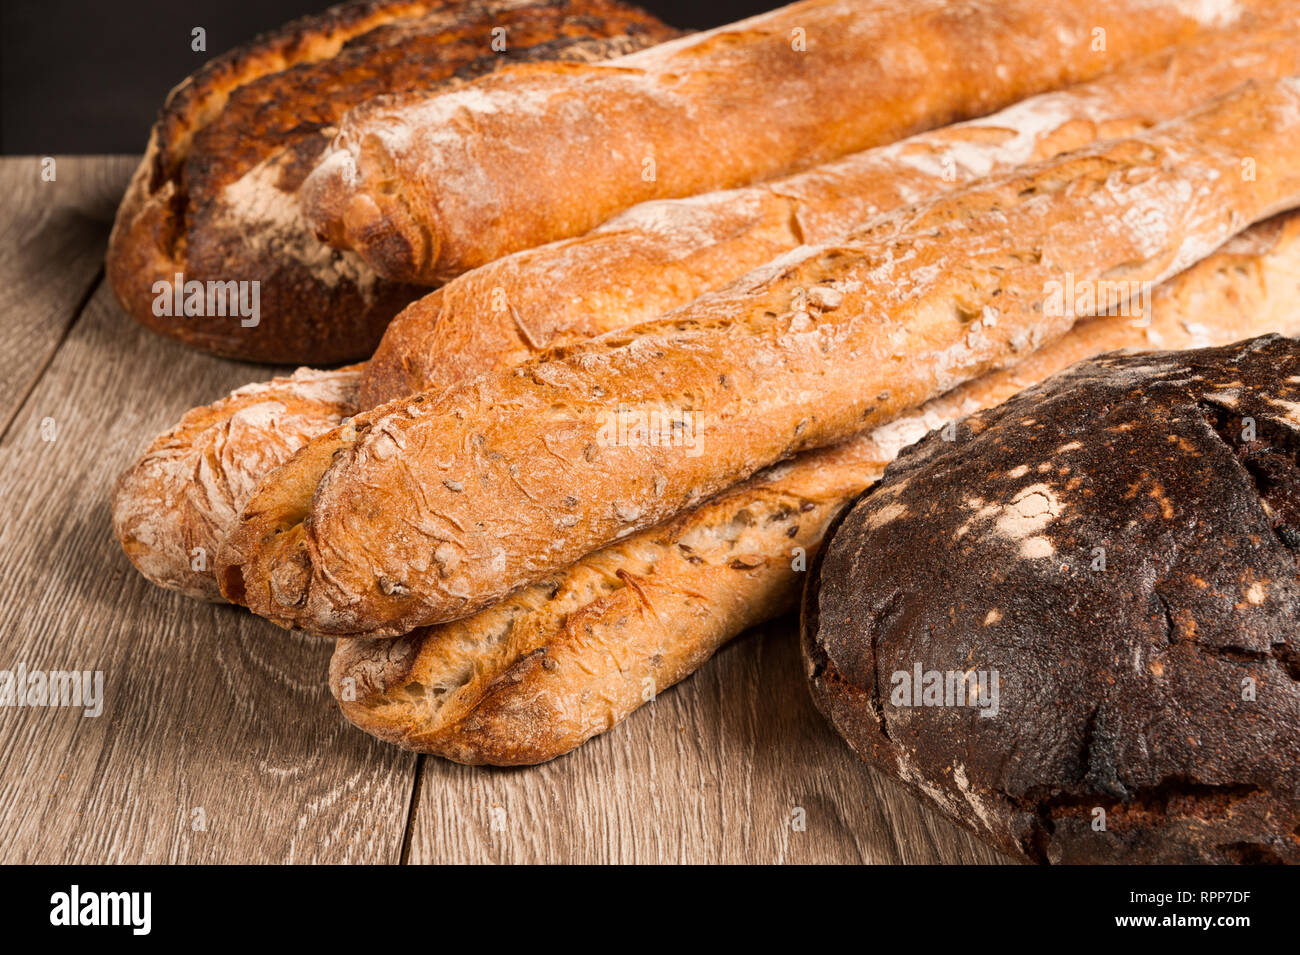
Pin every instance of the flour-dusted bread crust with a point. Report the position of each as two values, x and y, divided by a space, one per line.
552 665
177 502
537 674
660 255
427 509
554 150
214 198
1161 689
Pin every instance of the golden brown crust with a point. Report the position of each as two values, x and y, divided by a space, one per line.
214 197
660 255
536 675
174 506
436 506
558 149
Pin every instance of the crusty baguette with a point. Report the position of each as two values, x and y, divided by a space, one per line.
179 499
213 198
429 508
558 149
633 269
660 255
537 674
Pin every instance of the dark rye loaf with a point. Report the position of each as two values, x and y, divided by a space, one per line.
1124 686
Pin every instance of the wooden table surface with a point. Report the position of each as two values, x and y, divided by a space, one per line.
219 741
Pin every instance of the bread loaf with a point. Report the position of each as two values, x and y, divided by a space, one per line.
656 257
660 255
1110 559
213 199
537 674
177 502
427 509
557 149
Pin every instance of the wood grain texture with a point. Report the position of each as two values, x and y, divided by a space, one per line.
206 707
711 772
52 237
210 708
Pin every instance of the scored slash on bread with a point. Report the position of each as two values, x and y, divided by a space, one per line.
425 187
662 254
558 662
429 509
214 198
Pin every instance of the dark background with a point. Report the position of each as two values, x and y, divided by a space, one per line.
80 76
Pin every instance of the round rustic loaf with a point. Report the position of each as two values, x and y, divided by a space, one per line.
214 199
1071 620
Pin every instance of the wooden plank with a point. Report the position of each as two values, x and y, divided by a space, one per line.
211 709
713 771
52 239
207 708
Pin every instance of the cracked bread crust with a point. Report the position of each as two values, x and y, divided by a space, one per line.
174 505
214 197
560 149
660 255
1162 685
431 507
552 665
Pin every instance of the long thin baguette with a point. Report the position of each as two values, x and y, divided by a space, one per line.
536 675
427 509
651 259
557 149
661 255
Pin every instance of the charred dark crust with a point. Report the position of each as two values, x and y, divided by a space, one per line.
1160 693
186 105
256 87
303 102
277 100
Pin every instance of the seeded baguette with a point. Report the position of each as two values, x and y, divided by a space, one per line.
534 676
660 255
651 259
214 197
429 508
557 149
174 506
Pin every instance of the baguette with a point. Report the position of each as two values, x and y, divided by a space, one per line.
213 197
558 149
429 508
660 255
633 269
558 662
174 506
